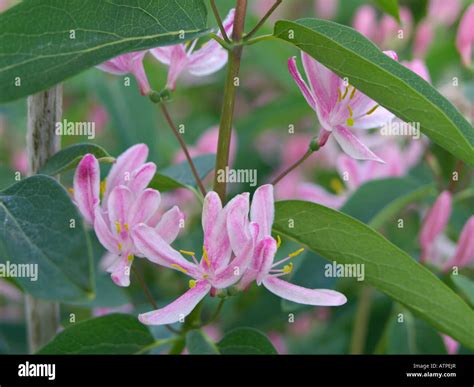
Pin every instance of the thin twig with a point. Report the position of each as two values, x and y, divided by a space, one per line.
263 20
219 21
184 147
293 167
215 315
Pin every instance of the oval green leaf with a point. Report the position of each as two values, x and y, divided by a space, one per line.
69 157
246 341
114 334
412 99
341 238
44 42
35 228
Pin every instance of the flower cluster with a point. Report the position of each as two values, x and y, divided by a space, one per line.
180 58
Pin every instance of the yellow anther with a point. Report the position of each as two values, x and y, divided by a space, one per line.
179 268
119 246
71 191
205 276
125 225
345 93
350 121
372 110
350 110
297 252
336 185
130 258
118 227
192 253
339 95
192 284
287 269
353 92
205 257
103 186
278 241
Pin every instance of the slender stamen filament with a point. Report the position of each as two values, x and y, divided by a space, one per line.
175 265
372 110
297 252
103 186
345 93
205 257
339 95
352 93
192 254
350 110
278 241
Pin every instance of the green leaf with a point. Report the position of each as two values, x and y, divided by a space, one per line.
408 96
39 48
117 334
198 343
35 219
246 341
378 201
412 336
465 285
181 176
340 238
69 157
390 7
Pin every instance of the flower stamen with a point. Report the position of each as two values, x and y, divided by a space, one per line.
181 269
372 110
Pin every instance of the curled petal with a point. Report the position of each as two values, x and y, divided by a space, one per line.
210 211
179 61
120 270
141 177
153 247
465 35
179 309
238 223
435 222
262 211
87 186
235 269
211 57
314 193
351 145
120 205
268 251
105 236
301 83
317 297
465 249
144 206
169 224
126 163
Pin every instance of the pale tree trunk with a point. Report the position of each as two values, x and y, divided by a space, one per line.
44 110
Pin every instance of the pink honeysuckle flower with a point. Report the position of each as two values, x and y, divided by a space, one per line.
126 202
423 38
444 12
326 9
436 246
365 21
227 251
390 28
207 60
131 63
339 107
264 271
465 36
355 173
385 33
418 66
452 346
